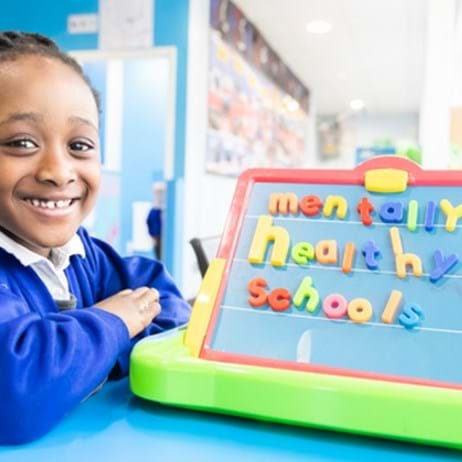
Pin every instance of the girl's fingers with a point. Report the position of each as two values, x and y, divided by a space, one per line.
125 292
140 292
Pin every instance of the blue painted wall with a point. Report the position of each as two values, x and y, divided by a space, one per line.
171 28
144 132
49 17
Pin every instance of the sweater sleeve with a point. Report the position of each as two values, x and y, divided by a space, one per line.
49 364
119 273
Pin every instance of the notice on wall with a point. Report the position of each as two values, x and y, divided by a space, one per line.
126 25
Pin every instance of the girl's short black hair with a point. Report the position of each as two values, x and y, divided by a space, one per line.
16 44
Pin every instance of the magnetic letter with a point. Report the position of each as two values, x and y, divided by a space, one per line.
265 233
411 316
365 208
339 203
306 290
256 288
370 252
442 265
302 252
283 203
310 205
392 212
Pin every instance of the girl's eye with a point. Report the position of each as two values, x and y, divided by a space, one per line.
81 146
23 143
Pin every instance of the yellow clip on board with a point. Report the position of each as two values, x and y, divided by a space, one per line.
386 180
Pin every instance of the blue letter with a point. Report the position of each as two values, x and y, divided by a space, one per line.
392 212
411 316
442 266
370 251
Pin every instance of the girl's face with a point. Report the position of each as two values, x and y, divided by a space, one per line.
49 152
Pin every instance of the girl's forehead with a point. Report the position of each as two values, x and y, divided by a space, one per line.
45 85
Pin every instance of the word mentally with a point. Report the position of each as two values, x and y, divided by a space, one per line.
392 211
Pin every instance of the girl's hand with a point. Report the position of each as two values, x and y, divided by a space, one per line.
137 308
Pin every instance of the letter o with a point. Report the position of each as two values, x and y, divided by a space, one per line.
359 310
335 306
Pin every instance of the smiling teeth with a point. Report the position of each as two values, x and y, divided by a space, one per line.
62 204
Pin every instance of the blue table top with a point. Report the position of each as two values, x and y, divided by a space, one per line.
116 426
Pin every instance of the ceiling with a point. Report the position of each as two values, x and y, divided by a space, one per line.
375 50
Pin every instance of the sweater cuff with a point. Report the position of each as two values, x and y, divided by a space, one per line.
117 326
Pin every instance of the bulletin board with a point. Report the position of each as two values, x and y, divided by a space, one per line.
335 297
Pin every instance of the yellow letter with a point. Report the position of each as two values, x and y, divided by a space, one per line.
264 233
335 201
360 310
452 213
391 308
411 259
396 241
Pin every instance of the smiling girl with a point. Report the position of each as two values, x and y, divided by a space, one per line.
71 308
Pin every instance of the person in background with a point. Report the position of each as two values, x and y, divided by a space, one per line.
71 308
154 220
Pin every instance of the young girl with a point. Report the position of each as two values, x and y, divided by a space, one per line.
71 308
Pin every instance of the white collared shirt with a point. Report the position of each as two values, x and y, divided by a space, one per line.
50 271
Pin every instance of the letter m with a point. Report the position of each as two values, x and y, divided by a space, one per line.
283 203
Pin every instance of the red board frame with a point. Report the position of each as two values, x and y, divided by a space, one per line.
228 245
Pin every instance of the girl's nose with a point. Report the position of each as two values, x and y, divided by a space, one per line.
56 167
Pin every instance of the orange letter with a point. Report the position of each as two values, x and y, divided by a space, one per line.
365 208
279 299
283 203
257 291
310 205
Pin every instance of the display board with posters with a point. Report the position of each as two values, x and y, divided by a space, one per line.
257 109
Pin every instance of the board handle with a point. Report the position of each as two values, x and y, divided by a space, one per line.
386 180
203 306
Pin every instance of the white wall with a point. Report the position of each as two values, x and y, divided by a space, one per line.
207 197
372 127
437 89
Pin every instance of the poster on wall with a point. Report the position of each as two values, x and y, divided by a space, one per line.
125 25
257 109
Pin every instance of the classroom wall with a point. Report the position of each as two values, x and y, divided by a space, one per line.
49 17
378 126
208 196
437 79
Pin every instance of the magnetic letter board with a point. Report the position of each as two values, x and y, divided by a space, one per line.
338 293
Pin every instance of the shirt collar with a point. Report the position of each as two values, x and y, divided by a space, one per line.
59 256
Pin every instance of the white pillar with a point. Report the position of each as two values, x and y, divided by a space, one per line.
437 84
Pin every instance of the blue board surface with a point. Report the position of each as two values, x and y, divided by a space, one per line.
428 351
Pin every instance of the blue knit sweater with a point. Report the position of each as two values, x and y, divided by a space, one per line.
50 360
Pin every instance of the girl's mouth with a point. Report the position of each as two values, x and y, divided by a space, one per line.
58 207
49 204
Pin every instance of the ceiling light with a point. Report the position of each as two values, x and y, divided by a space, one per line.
290 103
318 27
356 104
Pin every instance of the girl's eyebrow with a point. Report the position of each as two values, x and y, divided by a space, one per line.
82 120
19 116
35 117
